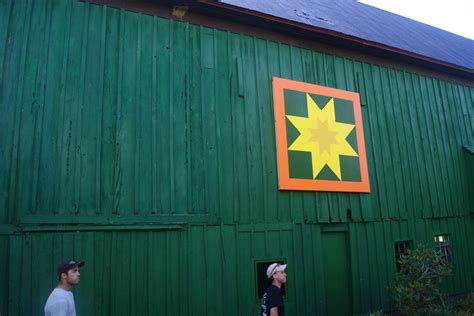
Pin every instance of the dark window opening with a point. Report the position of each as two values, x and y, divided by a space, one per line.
443 247
263 282
401 249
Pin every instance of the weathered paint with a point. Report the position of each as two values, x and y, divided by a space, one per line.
163 132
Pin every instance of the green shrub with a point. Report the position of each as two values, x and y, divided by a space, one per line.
376 313
446 311
465 304
417 284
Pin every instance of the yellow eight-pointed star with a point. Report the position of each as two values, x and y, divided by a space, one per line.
322 136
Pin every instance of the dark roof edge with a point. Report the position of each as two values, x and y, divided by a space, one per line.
331 37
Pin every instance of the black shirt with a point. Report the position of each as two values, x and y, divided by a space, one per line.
272 298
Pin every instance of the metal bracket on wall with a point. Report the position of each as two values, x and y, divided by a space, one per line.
179 11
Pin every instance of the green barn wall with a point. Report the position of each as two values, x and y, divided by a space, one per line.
155 139
207 268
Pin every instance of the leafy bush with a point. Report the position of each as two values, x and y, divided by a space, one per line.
465 304
416 290
376 313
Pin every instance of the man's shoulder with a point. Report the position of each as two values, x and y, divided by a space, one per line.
60 293
58 300
58 296
273 289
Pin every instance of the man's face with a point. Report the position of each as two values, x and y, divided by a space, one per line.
280 276
72 277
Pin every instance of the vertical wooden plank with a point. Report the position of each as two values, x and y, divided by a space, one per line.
178 115
127 119
318 269
26 276
109 111
365 267
252 118
208 100
389 252
297 256
22 118
267 128
113 269
41 22
14 277
84 292
6 114
437 148
284 198
412 185
6 21
231 269
433 209
309 250
458 244
51 89
377 184
395 131
356 264
145 60
461 139
382 277
373 266
173 266
214 271
272 178
467 250
198 301
90 113
430 150
224 130
100 111
41 251
382 108
98 269
4 275
424 194
453 148
241 203
82 13
163 122
159 250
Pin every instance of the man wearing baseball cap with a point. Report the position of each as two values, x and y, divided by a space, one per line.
61 300
272 300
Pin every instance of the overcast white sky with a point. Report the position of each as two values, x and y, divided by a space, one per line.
455 16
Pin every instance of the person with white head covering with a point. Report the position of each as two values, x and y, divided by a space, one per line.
272 300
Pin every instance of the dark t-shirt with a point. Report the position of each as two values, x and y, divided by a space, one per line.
272 298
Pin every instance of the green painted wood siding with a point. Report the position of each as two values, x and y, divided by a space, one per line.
108 113
153 140
208 268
